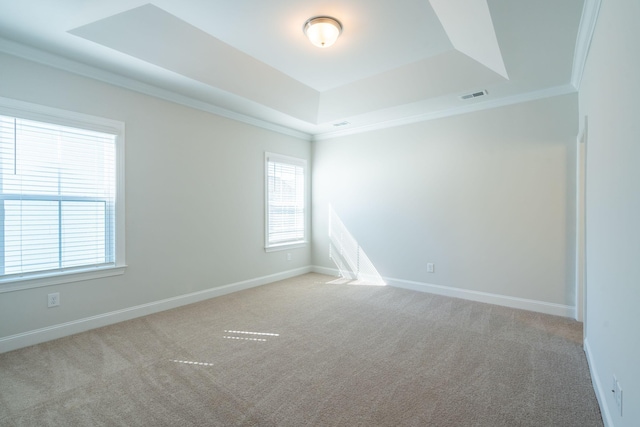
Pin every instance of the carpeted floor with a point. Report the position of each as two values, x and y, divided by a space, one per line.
309 351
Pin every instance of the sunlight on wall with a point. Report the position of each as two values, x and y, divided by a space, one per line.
353 264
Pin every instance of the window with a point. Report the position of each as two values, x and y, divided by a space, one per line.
285 202
61 209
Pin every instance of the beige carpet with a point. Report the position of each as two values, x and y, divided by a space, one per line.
309 352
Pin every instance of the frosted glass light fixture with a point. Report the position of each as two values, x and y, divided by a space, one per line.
322 31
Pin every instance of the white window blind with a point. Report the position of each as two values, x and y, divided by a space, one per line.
285 210
58 197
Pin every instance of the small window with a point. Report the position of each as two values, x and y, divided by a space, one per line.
61 205
285 202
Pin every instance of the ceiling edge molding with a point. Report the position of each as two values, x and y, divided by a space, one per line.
583 42
486 105
75 67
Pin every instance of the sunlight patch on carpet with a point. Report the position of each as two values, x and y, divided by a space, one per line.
253 333
243 335
189 362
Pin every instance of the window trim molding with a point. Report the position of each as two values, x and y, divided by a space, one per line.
294 161
59 278
284 246
27 110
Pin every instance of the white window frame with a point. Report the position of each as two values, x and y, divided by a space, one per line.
279 158
26 110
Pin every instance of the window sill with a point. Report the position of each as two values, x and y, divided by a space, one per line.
58 278
286 246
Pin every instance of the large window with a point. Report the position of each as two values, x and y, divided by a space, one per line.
285 202
60 207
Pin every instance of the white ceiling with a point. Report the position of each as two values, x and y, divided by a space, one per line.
395 61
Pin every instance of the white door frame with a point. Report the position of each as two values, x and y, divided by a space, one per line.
581 166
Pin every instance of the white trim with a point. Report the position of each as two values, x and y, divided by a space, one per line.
485 297
42 57
485 105
55 61
281 158
297 162
31 111
37 336
43 113
583 41
120 210
580 260
49 59
325 270
286 246
44 279
601 392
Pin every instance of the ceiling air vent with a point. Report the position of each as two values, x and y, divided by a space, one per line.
474 95
341 124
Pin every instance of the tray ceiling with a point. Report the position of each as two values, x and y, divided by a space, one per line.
393 61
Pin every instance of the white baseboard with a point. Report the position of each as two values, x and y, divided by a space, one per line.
325 270
489 298
485 297
49 333
601 392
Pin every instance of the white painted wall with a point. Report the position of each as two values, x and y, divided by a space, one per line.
194 208
488 197
609 97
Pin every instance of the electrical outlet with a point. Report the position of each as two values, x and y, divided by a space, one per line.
430 267
619 397
53 300
288 257
617 394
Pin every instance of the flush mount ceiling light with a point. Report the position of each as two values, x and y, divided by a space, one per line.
322 31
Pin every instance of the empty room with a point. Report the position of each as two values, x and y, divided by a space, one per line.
346 213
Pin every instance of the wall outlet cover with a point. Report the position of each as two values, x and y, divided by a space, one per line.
53 300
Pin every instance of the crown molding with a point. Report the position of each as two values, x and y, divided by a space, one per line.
486 105
55 61
52 60
583 42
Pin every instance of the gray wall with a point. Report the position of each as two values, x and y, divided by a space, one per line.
488 197
609 97
194 199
